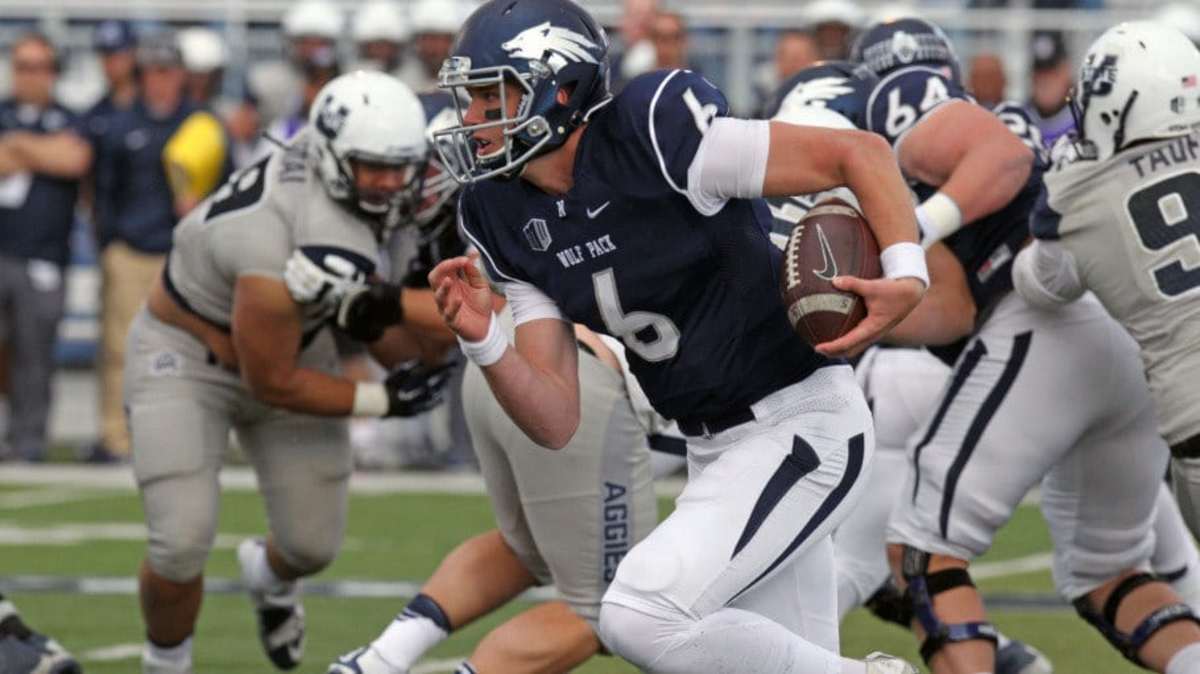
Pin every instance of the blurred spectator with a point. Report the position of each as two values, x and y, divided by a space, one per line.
204 59
381 33
833 24
795 50
244 123
43 155
1183 15
636 54
668 34
311 29
314 77
159 159
435 23
115 42
986 80
1052 79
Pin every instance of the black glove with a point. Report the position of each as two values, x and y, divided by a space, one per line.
413 388
366 313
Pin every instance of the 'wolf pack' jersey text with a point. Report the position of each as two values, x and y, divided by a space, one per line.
1132 223
252 224
695 298
986 247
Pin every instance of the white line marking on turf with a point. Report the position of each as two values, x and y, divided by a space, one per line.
32 498
12 533
438 666
112 653
241 478
1012 567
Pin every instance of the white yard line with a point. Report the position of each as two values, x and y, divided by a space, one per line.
241 478
1011 567
114 653
33 498
13 533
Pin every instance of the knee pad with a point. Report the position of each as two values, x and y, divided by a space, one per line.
308 555
1129 643
630 634
922 588
177 557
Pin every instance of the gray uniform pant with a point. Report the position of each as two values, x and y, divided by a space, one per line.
181 409
569 515
31 305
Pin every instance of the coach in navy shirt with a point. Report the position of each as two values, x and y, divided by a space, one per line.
42 157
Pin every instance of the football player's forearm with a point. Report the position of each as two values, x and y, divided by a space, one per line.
303 390
542 405
989 177
62 155
872 175
947 311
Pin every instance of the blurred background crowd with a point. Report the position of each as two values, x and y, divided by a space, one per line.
117 118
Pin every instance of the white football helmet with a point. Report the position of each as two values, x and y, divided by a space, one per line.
373 118
313 18
1139 80
380 20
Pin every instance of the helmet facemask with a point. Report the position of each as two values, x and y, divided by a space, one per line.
384 210
525 135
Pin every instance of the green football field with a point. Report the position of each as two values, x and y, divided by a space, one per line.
68 555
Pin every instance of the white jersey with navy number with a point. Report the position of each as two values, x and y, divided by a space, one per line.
253 224
986 247
1132 223
694 296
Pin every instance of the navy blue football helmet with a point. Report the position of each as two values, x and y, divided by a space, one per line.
898 43
840 86
541 46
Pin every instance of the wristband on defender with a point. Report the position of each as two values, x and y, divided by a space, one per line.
938 217
488 350
370 399
904 260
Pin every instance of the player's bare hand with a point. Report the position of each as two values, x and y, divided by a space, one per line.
463 296
888 302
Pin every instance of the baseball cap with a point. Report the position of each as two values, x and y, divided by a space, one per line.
113 35
1049 50
160 49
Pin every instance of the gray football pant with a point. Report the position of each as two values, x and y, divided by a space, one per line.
570 515
30 316
181 409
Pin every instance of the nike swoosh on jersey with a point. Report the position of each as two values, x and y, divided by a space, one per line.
830 270
593 213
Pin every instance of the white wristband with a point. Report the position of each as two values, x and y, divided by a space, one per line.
370 399
904 260
488 350
938 217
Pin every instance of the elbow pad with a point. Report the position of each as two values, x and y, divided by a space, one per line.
1045 275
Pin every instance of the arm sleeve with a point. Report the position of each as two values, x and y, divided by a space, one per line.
528 303
730 163
1046 275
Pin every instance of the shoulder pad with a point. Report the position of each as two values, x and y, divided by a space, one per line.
668 112
905 96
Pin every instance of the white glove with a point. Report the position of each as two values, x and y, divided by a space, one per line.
310 282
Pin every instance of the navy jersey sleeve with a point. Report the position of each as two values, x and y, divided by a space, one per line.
667 114
901 99
1043 220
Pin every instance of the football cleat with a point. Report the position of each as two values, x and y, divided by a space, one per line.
1020 658
363 660
280 615
882 663
35 655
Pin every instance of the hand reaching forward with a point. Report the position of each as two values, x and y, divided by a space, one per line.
888 302
463 296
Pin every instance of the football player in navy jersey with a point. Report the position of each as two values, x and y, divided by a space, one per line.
1098 464
639 216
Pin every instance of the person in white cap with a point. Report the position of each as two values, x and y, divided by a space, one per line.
204 58
311 29
381 31
434 24
833 23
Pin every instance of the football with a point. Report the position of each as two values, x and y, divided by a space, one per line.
832 239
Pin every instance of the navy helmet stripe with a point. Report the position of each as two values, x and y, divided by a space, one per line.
800 462
979 424
854 465
961 374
